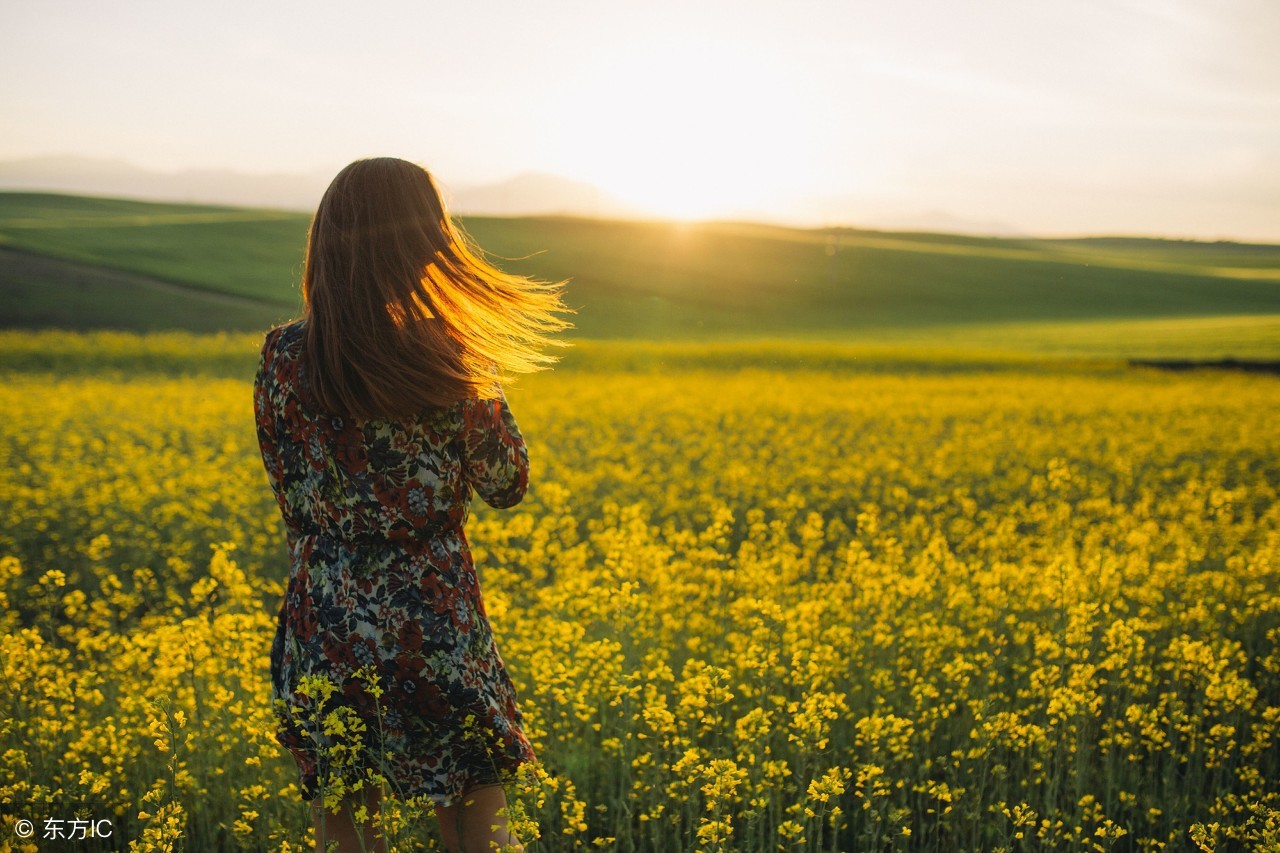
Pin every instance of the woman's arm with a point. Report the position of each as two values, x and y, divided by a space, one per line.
264 417
496 461
264 414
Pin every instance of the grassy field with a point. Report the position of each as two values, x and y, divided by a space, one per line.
50 293
1109 297
795 596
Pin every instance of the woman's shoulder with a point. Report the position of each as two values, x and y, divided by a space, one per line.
281 347
290 331
286 337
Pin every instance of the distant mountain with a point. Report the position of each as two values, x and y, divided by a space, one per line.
892 214
528 194
117 178
944 222
535 193
524 195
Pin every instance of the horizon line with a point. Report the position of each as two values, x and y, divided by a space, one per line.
641 218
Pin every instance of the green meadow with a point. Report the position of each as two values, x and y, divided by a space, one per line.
91 263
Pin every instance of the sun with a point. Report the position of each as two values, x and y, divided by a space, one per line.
693 130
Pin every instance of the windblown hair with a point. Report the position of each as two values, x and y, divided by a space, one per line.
403 311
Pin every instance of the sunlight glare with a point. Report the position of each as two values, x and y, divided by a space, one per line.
693 130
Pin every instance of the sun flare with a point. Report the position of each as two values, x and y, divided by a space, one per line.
691 131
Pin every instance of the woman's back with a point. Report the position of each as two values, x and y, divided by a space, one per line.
402 481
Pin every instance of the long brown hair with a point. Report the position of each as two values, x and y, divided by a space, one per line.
403 311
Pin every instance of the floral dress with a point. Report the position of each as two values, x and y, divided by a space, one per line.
381 581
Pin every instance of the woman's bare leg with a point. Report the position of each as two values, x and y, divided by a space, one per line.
468 826
342 828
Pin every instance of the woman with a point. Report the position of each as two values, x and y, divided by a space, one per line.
378 413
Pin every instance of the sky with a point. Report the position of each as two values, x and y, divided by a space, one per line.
1045 117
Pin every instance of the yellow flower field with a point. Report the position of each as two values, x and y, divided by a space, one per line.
1003 606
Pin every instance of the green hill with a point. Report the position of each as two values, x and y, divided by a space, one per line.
104 263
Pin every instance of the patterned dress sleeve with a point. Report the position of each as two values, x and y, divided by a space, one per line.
264 416
496 461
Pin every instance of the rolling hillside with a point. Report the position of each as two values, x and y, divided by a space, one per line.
82 263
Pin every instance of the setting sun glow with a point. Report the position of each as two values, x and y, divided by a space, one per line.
693 130
1149 117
